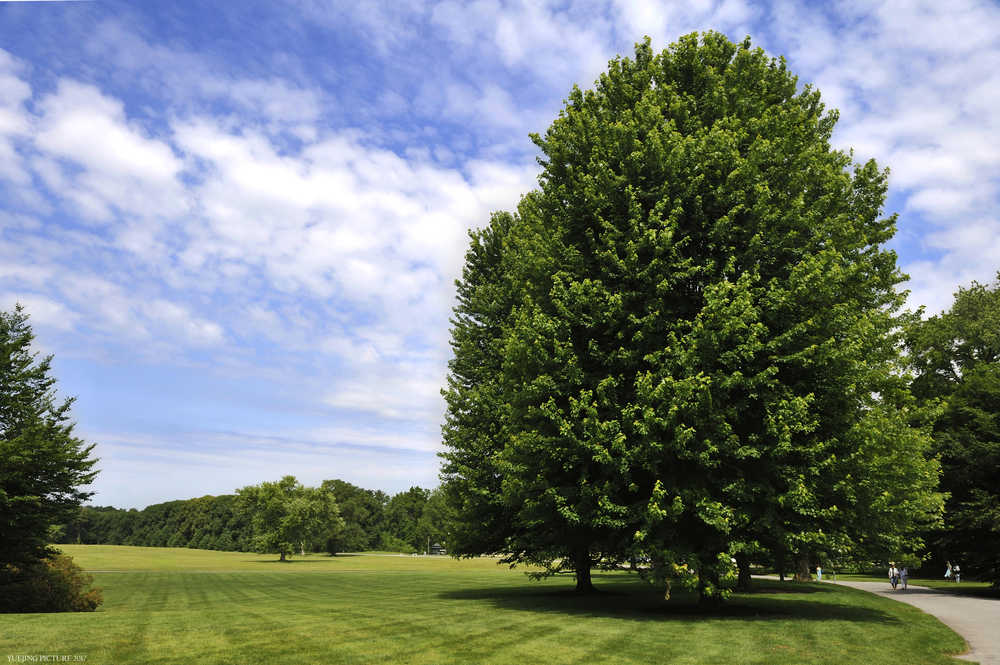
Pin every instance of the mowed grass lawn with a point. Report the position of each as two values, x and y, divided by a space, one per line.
191 606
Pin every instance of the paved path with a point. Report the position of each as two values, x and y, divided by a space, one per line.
975 619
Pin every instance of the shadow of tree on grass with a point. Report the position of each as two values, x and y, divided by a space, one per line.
634 602
786 588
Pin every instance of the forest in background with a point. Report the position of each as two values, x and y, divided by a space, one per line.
409 521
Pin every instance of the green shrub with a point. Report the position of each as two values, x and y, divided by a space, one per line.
54 584
390 543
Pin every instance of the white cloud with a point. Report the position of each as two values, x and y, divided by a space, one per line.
14 120
77 116
405 391
110 163
949 206
273 98
13 92
193 81
72 301
386 24
16 271
43 311
489 103
558 47
960 27
340 217
187 326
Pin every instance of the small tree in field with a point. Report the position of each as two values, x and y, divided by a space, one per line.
285 515
42 466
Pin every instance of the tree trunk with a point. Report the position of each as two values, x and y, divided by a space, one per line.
743 564
581 563
282 555
802 568
779 561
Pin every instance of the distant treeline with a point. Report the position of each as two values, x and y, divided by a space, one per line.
405 522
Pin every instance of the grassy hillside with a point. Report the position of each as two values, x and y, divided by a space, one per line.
183 606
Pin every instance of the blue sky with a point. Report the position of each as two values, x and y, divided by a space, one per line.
237 225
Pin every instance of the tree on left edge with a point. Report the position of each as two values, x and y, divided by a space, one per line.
43 469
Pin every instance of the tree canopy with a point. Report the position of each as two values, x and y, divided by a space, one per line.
363 512
956 357
684 345
285 515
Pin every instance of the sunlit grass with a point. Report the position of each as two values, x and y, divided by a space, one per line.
183 606
117 558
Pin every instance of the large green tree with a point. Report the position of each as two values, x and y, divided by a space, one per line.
684 344
43 466
956 357
286 516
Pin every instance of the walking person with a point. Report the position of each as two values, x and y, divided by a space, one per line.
893 575
947 571
957 572
904 576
